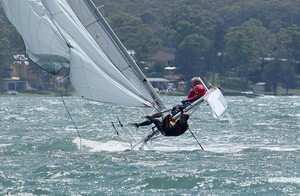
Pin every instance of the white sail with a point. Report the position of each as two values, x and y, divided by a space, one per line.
104 36
74 34
217 102
44 45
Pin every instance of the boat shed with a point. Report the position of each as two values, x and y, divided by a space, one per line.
259 87
159 83
13 84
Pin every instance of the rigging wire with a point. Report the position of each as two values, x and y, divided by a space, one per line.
192 132
62 97
113 125
122 126
231 120
196 139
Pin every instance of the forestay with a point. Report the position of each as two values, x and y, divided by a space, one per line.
74 34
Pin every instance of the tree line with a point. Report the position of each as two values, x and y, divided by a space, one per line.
234 43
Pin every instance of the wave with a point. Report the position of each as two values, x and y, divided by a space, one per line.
119 146
280 149
235 148
294 180
5 145
97 146
160 146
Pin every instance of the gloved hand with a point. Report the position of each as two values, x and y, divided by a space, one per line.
181 108
184 102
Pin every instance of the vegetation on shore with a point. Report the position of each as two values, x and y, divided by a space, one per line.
231 43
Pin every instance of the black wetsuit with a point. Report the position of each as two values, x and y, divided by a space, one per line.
167 127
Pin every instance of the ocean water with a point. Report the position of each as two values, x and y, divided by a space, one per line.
42 153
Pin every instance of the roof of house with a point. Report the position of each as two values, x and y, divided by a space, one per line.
157 80
163 56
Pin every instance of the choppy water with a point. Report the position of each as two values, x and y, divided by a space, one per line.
41 153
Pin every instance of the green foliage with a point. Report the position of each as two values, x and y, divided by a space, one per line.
222 36
191 54
290 39
244 45
271 74
134 36
10 43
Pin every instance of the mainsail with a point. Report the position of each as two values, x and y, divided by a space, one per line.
75 35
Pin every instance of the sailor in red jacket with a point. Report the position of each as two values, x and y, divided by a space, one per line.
198 90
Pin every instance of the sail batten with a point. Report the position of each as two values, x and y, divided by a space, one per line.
74 34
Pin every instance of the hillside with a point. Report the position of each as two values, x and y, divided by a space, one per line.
232 43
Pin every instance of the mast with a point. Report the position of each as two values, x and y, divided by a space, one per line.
109 42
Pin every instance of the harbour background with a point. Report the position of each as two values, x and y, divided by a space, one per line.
42 153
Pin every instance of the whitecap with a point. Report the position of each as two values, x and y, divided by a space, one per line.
284 180
97 146
4 145
278 148
262 124
226 148
269 96
174 148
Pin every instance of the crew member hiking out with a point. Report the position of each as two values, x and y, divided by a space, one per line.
168 126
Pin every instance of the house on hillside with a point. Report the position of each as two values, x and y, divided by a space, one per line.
160 84
181 86
164 56
170 73
13 84
167 58
259 87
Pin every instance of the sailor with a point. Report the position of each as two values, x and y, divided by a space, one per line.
169 126
197 91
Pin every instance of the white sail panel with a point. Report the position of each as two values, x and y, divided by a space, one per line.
43 44
92 83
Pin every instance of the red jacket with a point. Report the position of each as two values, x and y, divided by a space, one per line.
196 92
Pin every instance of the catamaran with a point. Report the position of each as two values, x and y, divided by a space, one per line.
74 34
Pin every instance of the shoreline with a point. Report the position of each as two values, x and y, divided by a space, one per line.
58 94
